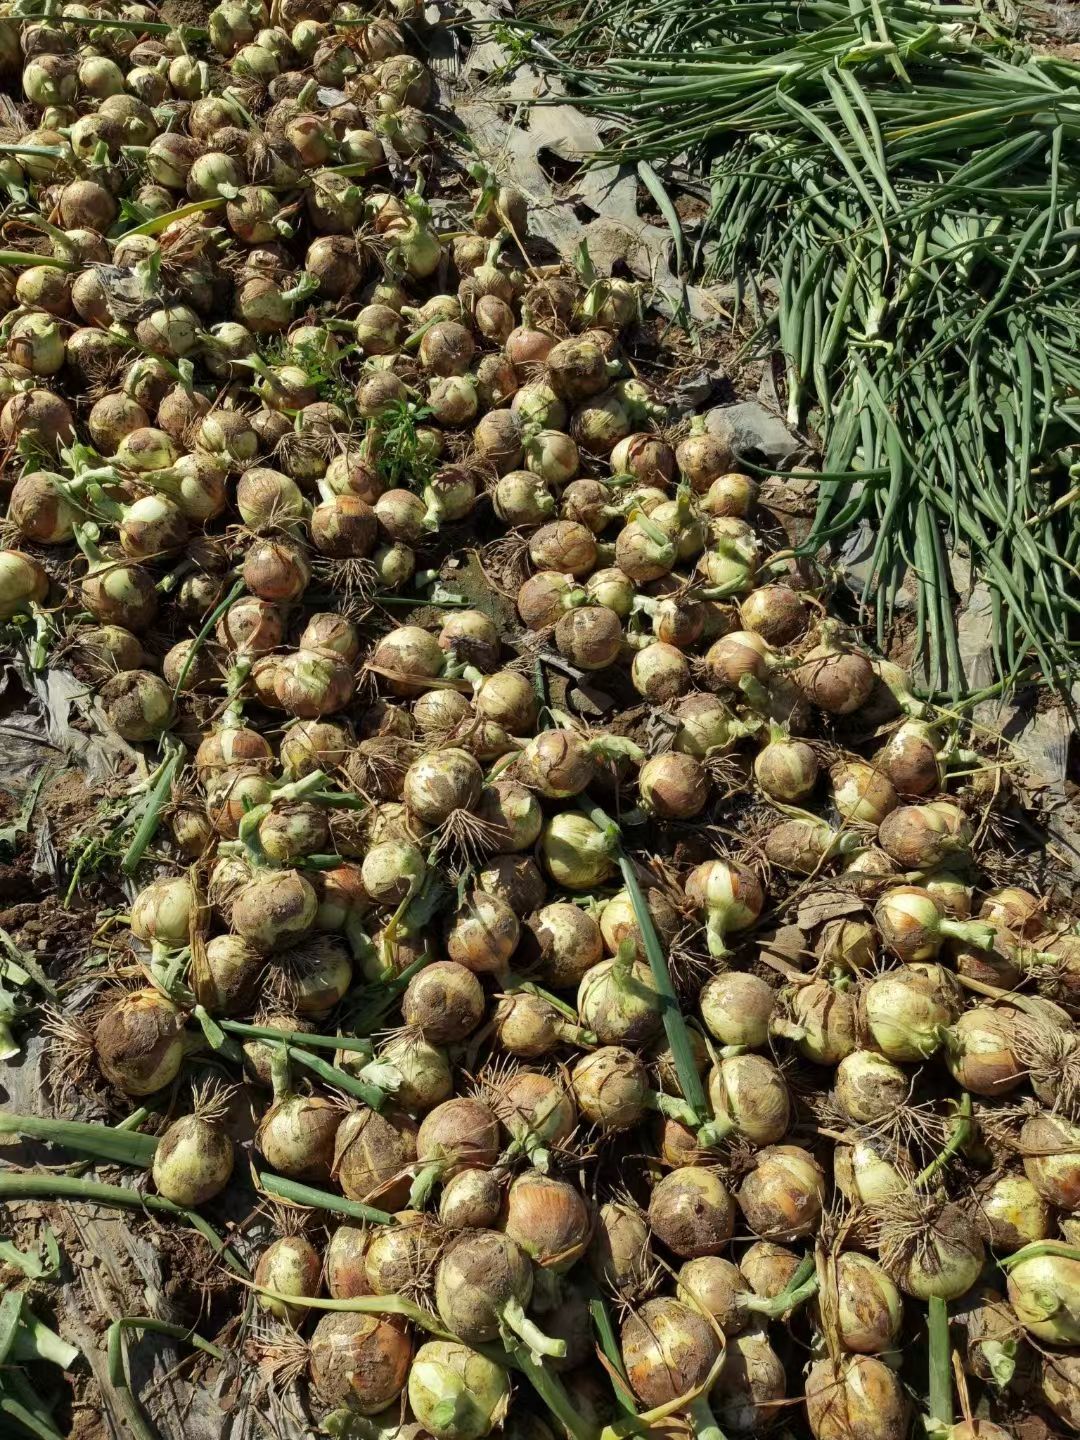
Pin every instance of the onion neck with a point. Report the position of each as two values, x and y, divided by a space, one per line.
802 1286
514 1318
702 1420
976 933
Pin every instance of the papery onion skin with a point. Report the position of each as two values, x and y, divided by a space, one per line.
860 1399
668 1350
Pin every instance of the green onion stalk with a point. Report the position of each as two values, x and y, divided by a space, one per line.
76 1190
675 1028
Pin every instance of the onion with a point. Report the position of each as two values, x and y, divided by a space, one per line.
164 911
668 1350
444 1001
290 1266
750 1383
1011 1213
835 679
740 655
229 978
870 1087
826 1017
140 1043
576 853
513 814
618 919
930 1248
611 1088
847 945
620 1255
359 1362
514 879
913 926
393 871
1051 1148
869 1310
483 1283
458 1135
865 1177
861 794
274 909
536 1112
590 637
471 1200
769 1268
455 1393
296 1136
979 1051
673 786
398 1257
906 1011
373 1152
1058 1386
805 844
548 1219
691 1212
138 704
737 1009
923 837
568 943
706 726
483 935
643 551
856 1396
702 458
775 612
531 1027
731 896
1044 1291
783 1196
786 769
551 455
749 1098
618 1001
194 1158
716 1286
910 759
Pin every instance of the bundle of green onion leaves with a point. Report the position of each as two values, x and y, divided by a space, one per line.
907 174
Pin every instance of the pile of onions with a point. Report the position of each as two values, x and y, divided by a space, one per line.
615 958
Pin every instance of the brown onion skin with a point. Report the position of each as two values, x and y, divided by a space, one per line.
783 1196
692 1212
861 1399
668 1349
462 1133
373 1154
360 1362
